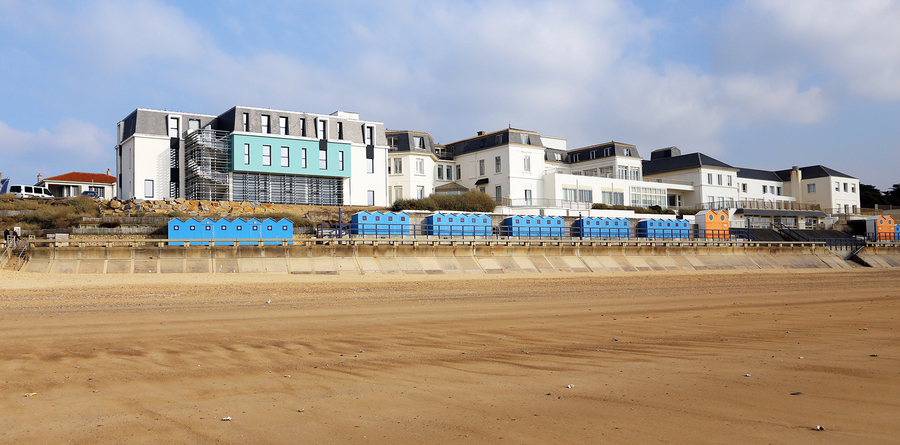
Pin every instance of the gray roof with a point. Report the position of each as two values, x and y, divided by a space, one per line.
683 162
489 140
600 151
766 212
763 175
812 172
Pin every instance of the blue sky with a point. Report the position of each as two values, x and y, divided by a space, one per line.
763 84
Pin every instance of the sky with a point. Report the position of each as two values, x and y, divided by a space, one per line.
763 84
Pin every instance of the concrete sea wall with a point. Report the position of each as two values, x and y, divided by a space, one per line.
355 257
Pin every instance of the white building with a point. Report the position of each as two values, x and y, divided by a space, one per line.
252 154
75 183
524 171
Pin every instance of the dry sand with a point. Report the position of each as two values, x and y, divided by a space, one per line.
683 357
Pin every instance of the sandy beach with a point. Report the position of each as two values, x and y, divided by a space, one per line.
632 358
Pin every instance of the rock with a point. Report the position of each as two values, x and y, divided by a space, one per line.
820 428
796 393
115 204
137 201
226 419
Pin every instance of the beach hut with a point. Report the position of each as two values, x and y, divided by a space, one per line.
881 227
714 224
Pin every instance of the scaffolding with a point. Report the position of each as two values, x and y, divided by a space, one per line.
288 189
207 162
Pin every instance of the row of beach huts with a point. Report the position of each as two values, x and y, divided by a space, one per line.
711 224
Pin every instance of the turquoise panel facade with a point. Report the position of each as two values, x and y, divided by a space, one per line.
334 167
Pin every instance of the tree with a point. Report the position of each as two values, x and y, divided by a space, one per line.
869 195
892 196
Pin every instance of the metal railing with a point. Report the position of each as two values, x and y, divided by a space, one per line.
754 204
429 231
545 203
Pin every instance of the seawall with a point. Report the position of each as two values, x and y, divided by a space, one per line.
356 257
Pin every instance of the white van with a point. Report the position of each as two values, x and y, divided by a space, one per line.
28 191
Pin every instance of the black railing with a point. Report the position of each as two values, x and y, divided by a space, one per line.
432 231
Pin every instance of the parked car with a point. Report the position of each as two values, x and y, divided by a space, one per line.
28 191
90 194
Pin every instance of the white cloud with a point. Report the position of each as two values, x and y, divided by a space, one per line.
855 42
71 145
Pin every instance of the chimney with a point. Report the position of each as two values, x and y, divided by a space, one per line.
796 190
481 133
40 178
107 172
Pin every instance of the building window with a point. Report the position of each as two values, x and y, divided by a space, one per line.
420 166
593 154
323 159
420 192
267 155
576 158
173 127
302 127
392 142
626 151
765 189
340 130
322 129
810 188
370 135
778 191
607 152
193 124
496 164
481 167
341 160
302 158
527 197
246 154
449 172
419 142
398 166
458 172
148 187
497 194
709 178
440 172
744 187
719 179
100 191
527 166
853 189
837 186
845 187
285 157
728 180
246 121
634 174
264 120
283 125
370 166
622 172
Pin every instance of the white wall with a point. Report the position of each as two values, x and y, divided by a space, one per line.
150 161
361 181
